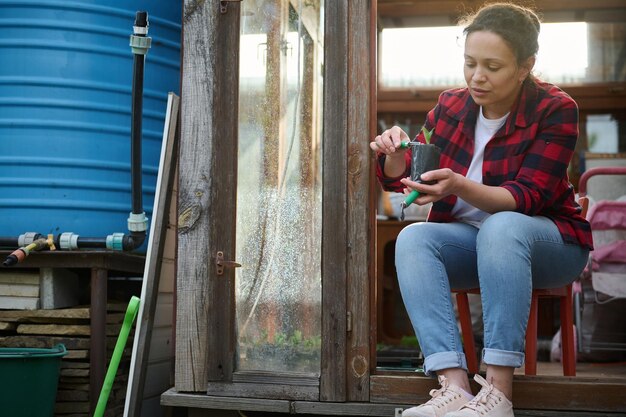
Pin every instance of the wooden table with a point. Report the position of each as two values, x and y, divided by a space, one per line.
100 263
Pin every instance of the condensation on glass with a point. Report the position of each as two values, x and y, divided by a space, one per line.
279 188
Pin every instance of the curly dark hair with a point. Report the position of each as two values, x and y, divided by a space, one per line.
517 25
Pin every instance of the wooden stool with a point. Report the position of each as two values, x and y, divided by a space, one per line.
568 352
567 329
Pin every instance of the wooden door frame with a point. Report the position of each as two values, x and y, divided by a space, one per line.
347 235
205 310
205 337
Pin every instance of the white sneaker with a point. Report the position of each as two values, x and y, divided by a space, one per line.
445 399
489 402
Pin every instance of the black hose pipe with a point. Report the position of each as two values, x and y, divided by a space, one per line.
18 255
129 242
12 242
8 242
71 241
10 260
134 240
140 29
92 242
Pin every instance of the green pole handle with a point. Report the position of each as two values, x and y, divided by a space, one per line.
129 318
411 197
408 200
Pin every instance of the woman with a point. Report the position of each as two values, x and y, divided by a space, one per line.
504 215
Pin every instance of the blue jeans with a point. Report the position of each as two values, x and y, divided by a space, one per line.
507 257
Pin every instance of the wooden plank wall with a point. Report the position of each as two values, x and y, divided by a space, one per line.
159 375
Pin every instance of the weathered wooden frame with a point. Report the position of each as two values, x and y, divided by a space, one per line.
204 333
207 195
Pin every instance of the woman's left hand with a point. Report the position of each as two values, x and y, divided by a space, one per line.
447 182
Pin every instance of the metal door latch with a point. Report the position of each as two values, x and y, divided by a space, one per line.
220 263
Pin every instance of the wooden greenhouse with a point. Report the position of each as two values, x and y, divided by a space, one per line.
277 295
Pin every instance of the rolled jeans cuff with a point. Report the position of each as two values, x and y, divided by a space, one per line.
503 357
444 360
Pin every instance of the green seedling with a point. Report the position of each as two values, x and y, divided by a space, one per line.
427 134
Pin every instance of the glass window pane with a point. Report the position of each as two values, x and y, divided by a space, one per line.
278 289
434 56
602 133
424 57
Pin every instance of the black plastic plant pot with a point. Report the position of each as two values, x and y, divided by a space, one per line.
424 158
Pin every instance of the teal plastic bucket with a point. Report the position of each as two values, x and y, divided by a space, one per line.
28 381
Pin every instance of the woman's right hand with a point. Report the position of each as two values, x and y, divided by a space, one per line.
389 142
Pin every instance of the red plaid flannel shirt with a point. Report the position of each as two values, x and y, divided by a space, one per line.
528 156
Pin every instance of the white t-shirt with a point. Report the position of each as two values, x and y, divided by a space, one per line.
485 129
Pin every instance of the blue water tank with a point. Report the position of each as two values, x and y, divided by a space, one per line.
65 100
